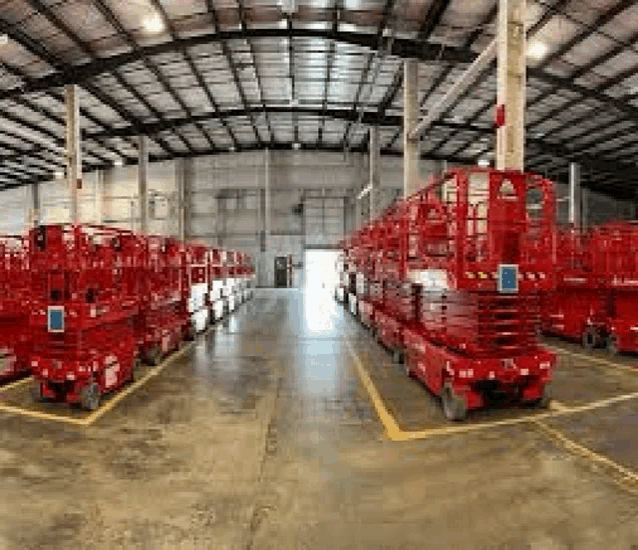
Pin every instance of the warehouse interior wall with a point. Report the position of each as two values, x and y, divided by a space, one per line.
313 201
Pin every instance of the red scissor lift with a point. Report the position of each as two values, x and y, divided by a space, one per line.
164 319
482 266
198 282
596 299
391 271
462 271
217 284
85 290
15 336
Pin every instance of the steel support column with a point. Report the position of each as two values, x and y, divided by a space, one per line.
187 182
574 195
511 77
99 196
410 121
35 197
142 180
73 148
375 176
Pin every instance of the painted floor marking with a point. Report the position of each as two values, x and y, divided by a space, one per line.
96 415
623 476
41 415
395 433
594 359
16 384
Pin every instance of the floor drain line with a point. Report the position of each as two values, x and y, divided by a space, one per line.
262 506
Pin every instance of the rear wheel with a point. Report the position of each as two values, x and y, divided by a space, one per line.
611 344
136 373
590 338
544 401
90 396
36 392
454 407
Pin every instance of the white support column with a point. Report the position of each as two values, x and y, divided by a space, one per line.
142 179
375 166
574 194
584 220
35 209
73 147
189 176
267 183
99 197
181 199
511 77
410 121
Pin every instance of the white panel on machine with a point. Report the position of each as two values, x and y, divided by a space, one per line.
431 279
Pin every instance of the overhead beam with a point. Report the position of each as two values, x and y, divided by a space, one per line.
85 72
461 85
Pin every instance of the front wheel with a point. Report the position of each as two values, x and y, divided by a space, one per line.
154 356
454 406
590 338
36 392
90 396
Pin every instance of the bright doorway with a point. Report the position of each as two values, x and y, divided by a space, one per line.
321 270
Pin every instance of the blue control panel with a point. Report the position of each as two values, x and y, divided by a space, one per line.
55 318
508 278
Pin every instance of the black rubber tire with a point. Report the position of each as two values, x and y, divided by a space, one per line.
590 338
90 396
154 356
36 392
408 370
611 345
136 372
545 400
454 407
398 356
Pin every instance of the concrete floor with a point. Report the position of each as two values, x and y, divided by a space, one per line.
262 436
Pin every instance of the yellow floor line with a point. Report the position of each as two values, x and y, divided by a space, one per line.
557 406
94 416
595 359
395 433
626 475
389 423
41 415
16 384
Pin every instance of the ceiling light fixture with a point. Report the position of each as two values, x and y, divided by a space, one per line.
296 146
118 162
484 163
537 50
4 39
154 24
58 174
231 149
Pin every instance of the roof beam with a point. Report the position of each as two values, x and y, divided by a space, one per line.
108 14
244 28
79 74
37 49
387 12
337 6
473 37
235 73
430 22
